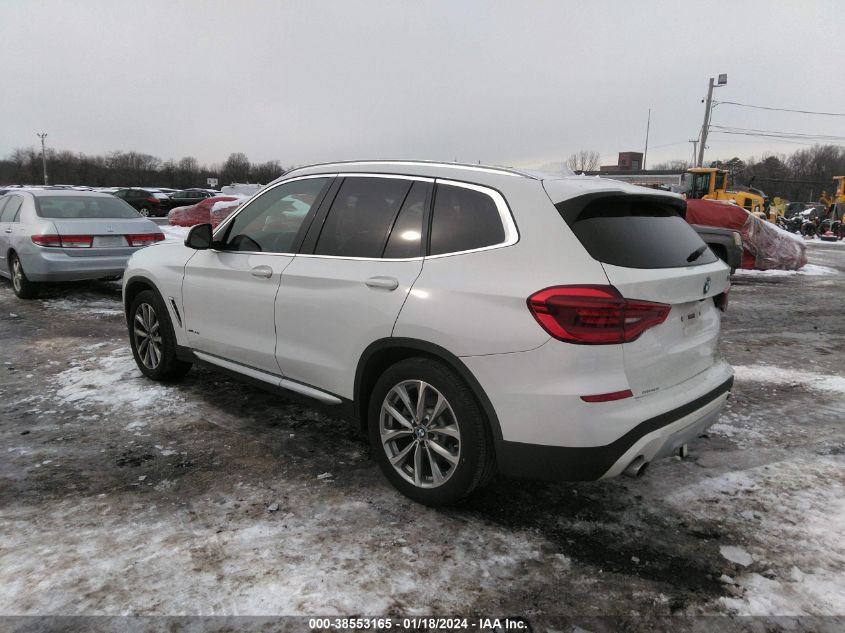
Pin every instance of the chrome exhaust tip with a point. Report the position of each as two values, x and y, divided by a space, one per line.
637 467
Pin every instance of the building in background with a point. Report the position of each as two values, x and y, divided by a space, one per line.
628 161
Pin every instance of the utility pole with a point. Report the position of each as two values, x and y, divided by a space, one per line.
647 127
694 142
723 80
42 136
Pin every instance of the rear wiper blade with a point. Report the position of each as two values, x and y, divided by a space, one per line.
697 253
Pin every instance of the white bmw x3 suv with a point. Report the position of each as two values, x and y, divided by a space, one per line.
473 319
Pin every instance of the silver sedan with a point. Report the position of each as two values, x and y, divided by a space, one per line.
60 235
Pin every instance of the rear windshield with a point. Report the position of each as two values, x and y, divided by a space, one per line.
635 231
77 207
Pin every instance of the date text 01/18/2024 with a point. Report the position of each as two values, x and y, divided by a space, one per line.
419 623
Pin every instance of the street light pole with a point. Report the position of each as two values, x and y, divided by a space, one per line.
647 128
723 80
42 136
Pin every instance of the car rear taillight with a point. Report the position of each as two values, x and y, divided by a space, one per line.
153 200
144 239
721 300
64 241
47 240
594 315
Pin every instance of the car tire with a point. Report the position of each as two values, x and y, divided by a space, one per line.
436 454
21 285
155 355
144 211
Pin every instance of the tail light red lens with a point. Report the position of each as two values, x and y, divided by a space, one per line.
153 199
144 239
721 300
47 240
594 315
64 241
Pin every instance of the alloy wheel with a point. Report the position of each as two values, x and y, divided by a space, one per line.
147 335
420 434
17 274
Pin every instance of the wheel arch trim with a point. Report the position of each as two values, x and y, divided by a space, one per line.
425 348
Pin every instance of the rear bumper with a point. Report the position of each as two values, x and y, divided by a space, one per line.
652 439
48 265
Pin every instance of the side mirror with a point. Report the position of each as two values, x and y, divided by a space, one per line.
199 237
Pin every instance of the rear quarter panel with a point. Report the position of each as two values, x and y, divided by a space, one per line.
475 303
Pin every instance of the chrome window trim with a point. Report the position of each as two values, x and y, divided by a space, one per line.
511 232
502 171
505 215
361 174
362 259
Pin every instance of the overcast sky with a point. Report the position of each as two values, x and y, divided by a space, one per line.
519 83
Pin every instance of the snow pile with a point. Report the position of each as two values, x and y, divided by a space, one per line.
812 270
779 376
226 204
115 383
800 503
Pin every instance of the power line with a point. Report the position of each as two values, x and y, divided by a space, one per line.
767 141
746 105
834 140
789 134
777 133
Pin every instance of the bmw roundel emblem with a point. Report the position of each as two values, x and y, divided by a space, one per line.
706 286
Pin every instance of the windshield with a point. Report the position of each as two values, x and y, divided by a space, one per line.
77 207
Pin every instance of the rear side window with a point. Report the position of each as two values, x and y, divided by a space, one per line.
3 201
464 219
10 211
635 231
360 218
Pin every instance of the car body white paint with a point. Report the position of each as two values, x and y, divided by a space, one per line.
310 320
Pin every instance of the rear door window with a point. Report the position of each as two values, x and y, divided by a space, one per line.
10 211
361 216
406 235
635 231
464 219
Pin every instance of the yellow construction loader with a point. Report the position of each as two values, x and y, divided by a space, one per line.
710 183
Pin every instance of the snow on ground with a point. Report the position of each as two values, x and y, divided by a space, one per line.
821 242
778 375
801 502
809 269
175 233
84 306
114 382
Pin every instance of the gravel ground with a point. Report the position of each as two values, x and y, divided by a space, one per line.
122 496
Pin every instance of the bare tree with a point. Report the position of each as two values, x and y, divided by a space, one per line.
584 160
675 165
265 172
235 169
